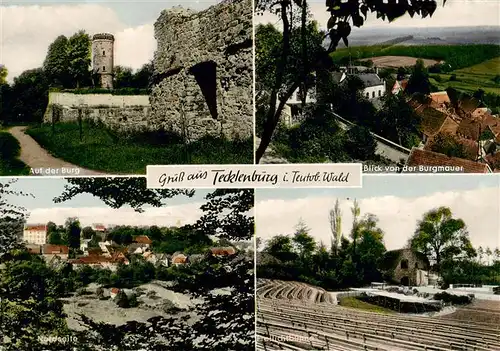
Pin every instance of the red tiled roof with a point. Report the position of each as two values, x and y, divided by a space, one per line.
471 146
494 161
49 249
223 250
432 120
37 227
34 249
429 158
93 260
115 290
94 251
181 258
440 97
142 239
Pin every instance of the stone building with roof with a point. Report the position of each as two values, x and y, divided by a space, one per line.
406 267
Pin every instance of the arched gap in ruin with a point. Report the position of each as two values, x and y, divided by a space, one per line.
405 281
205 74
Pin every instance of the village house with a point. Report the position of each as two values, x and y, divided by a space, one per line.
84 244
98 227
178 258
114 292
406 267
399 86
50 251
223 251
34 249
137 249
35 234
103 262
156 259
143 240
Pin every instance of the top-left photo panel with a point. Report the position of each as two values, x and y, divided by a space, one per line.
106 88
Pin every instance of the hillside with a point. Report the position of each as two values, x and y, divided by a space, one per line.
481 76
456 56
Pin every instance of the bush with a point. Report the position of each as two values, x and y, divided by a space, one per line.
360 143
121 300
453 299
438 79
9 146
453 78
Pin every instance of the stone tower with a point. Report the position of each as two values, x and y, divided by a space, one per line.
102 58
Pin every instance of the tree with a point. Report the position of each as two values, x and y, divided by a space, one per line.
304 243
154 233
142 78
440 236
56 64
27 97
122 77
10 217
121 299
79 58
480 254
88 233
281 247
73 231
335 218
355 231
360 143
488 254
419 79
449 145
397 120
225 214
342 15
118 192
3 74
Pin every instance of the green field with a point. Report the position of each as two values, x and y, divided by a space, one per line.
353 302
102 150
472 78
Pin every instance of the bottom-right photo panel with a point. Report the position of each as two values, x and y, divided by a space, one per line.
403 263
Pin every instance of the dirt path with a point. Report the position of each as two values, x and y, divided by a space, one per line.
41 161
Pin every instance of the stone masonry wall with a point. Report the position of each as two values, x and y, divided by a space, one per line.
412 272
204 71
120 112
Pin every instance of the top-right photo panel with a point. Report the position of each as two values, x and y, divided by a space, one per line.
400 86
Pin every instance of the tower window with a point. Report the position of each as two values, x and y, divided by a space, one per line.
103 53
104 68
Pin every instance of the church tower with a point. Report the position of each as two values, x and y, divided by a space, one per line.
102 58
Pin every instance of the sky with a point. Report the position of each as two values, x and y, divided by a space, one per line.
456 13
398 202
179 210
29 27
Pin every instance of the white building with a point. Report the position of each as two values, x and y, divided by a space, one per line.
35 234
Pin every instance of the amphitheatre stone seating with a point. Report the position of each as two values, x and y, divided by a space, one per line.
325 326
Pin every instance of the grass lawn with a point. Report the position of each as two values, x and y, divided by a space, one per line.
353 302
472 78
105 151
10 165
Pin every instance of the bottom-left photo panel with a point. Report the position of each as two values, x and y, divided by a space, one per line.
108 264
